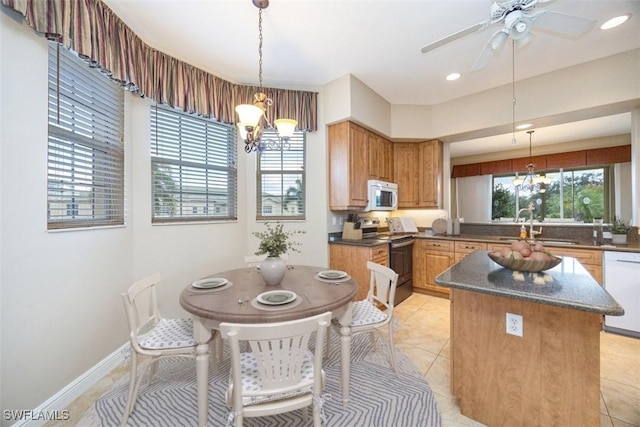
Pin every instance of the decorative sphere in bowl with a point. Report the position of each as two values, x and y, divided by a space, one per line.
524 264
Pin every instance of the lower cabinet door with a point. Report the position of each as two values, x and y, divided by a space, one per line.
435 263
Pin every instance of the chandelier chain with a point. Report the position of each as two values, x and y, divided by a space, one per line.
260 48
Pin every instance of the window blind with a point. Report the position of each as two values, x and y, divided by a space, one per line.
194 167
281 177
85 144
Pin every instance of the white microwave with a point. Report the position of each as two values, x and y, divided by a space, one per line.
383 196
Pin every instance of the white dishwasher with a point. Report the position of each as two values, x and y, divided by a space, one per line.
622 281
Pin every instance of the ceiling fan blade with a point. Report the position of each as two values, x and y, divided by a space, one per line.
455 36
495 44
562 24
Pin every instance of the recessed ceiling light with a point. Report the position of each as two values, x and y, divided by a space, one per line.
524 126
614 22
453 76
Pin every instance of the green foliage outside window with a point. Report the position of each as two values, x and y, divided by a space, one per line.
578 195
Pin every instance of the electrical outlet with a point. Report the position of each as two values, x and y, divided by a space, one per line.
340 221
334 220
514 324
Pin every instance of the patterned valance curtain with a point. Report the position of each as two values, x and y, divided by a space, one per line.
90 28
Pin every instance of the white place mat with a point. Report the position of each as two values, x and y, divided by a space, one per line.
256 304
322 279
218 289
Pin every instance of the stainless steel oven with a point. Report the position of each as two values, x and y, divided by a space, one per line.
400 256
401 261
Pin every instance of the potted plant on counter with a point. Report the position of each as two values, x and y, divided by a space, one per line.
275 242
619 230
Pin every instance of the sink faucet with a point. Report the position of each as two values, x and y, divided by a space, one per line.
530 209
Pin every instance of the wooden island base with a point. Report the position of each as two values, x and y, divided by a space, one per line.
549 376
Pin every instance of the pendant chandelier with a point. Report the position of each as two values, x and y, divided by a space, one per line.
251 116
531 182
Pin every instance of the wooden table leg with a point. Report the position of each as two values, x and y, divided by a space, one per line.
202 335
345 353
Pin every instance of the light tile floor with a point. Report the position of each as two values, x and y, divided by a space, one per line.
423 336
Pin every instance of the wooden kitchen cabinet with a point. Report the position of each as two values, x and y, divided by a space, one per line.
380 158
430 258
591 260
464 248
348 166
353 259
405 173
355 156
417 169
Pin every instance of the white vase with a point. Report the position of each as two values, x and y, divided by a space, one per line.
619 239
273 269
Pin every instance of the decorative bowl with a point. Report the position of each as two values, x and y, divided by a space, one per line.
527 265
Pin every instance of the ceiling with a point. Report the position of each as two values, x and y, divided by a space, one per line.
309 43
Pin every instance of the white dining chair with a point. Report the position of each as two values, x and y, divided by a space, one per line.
151 335
366 316
280 374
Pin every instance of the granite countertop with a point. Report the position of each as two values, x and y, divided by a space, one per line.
630 247
567 285
369 242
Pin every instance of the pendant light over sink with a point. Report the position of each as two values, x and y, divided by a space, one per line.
251 116
531 182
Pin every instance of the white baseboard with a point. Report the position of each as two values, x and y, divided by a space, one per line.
53 406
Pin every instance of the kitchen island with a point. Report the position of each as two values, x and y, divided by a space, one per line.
548 376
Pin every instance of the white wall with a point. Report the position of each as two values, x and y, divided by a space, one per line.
61 311
602 87
473 198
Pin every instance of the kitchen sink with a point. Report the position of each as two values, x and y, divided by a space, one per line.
548 241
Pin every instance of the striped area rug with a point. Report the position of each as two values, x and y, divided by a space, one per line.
378 397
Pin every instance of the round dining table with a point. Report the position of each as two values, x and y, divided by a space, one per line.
237 302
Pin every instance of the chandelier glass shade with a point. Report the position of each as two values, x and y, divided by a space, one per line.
252 116
531 182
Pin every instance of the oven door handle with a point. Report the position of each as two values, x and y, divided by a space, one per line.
401 244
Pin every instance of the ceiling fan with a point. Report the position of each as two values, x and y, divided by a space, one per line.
518 18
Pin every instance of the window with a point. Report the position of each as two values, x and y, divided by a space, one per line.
281 178
194 167
85 162
570 195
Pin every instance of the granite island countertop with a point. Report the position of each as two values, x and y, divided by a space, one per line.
567 285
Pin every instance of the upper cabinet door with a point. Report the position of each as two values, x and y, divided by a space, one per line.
406 166
348 166
380 158
431 174
418 172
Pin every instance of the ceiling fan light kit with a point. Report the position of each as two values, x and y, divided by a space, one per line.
518 21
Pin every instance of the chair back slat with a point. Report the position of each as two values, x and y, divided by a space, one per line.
280 360
383 283
141 304
279 348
